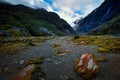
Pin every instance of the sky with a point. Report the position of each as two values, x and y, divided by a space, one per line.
69 10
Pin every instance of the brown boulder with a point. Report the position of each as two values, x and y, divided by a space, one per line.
86 66
25 73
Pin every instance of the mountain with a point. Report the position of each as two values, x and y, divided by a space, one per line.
19 20
111 27
103 20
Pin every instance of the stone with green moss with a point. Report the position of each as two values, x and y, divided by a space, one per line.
103 50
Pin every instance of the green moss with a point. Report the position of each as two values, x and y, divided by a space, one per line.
14 32
107 43
103 50
11 44
101 59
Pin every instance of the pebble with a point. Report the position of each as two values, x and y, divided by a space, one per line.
21 62
48 60
8 69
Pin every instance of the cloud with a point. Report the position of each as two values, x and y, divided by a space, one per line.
70 10
30 3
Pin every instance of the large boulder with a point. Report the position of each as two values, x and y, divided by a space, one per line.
26 73
86 66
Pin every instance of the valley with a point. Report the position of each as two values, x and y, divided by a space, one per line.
40 41
59 54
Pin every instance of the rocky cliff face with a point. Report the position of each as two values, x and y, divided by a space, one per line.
16 19
108 10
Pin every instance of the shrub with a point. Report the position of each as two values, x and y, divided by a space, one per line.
31 44
76 37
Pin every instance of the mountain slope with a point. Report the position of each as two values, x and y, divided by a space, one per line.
19 20
111 27
108 10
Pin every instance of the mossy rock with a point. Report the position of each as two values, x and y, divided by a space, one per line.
103 50
31 44
55 45
101 59
35 61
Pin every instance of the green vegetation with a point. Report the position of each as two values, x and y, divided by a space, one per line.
103 50
12 45
19 20
106 43
101 59
35 61
76 37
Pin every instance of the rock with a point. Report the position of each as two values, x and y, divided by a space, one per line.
57 63
67 51
21 62
25 73
60 52
0 70
61 55
41 78
64 77
101 59
86 66
84 42
103 50
55 45
35 60
8 69
48 60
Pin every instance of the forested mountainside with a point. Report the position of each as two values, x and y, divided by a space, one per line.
19 20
